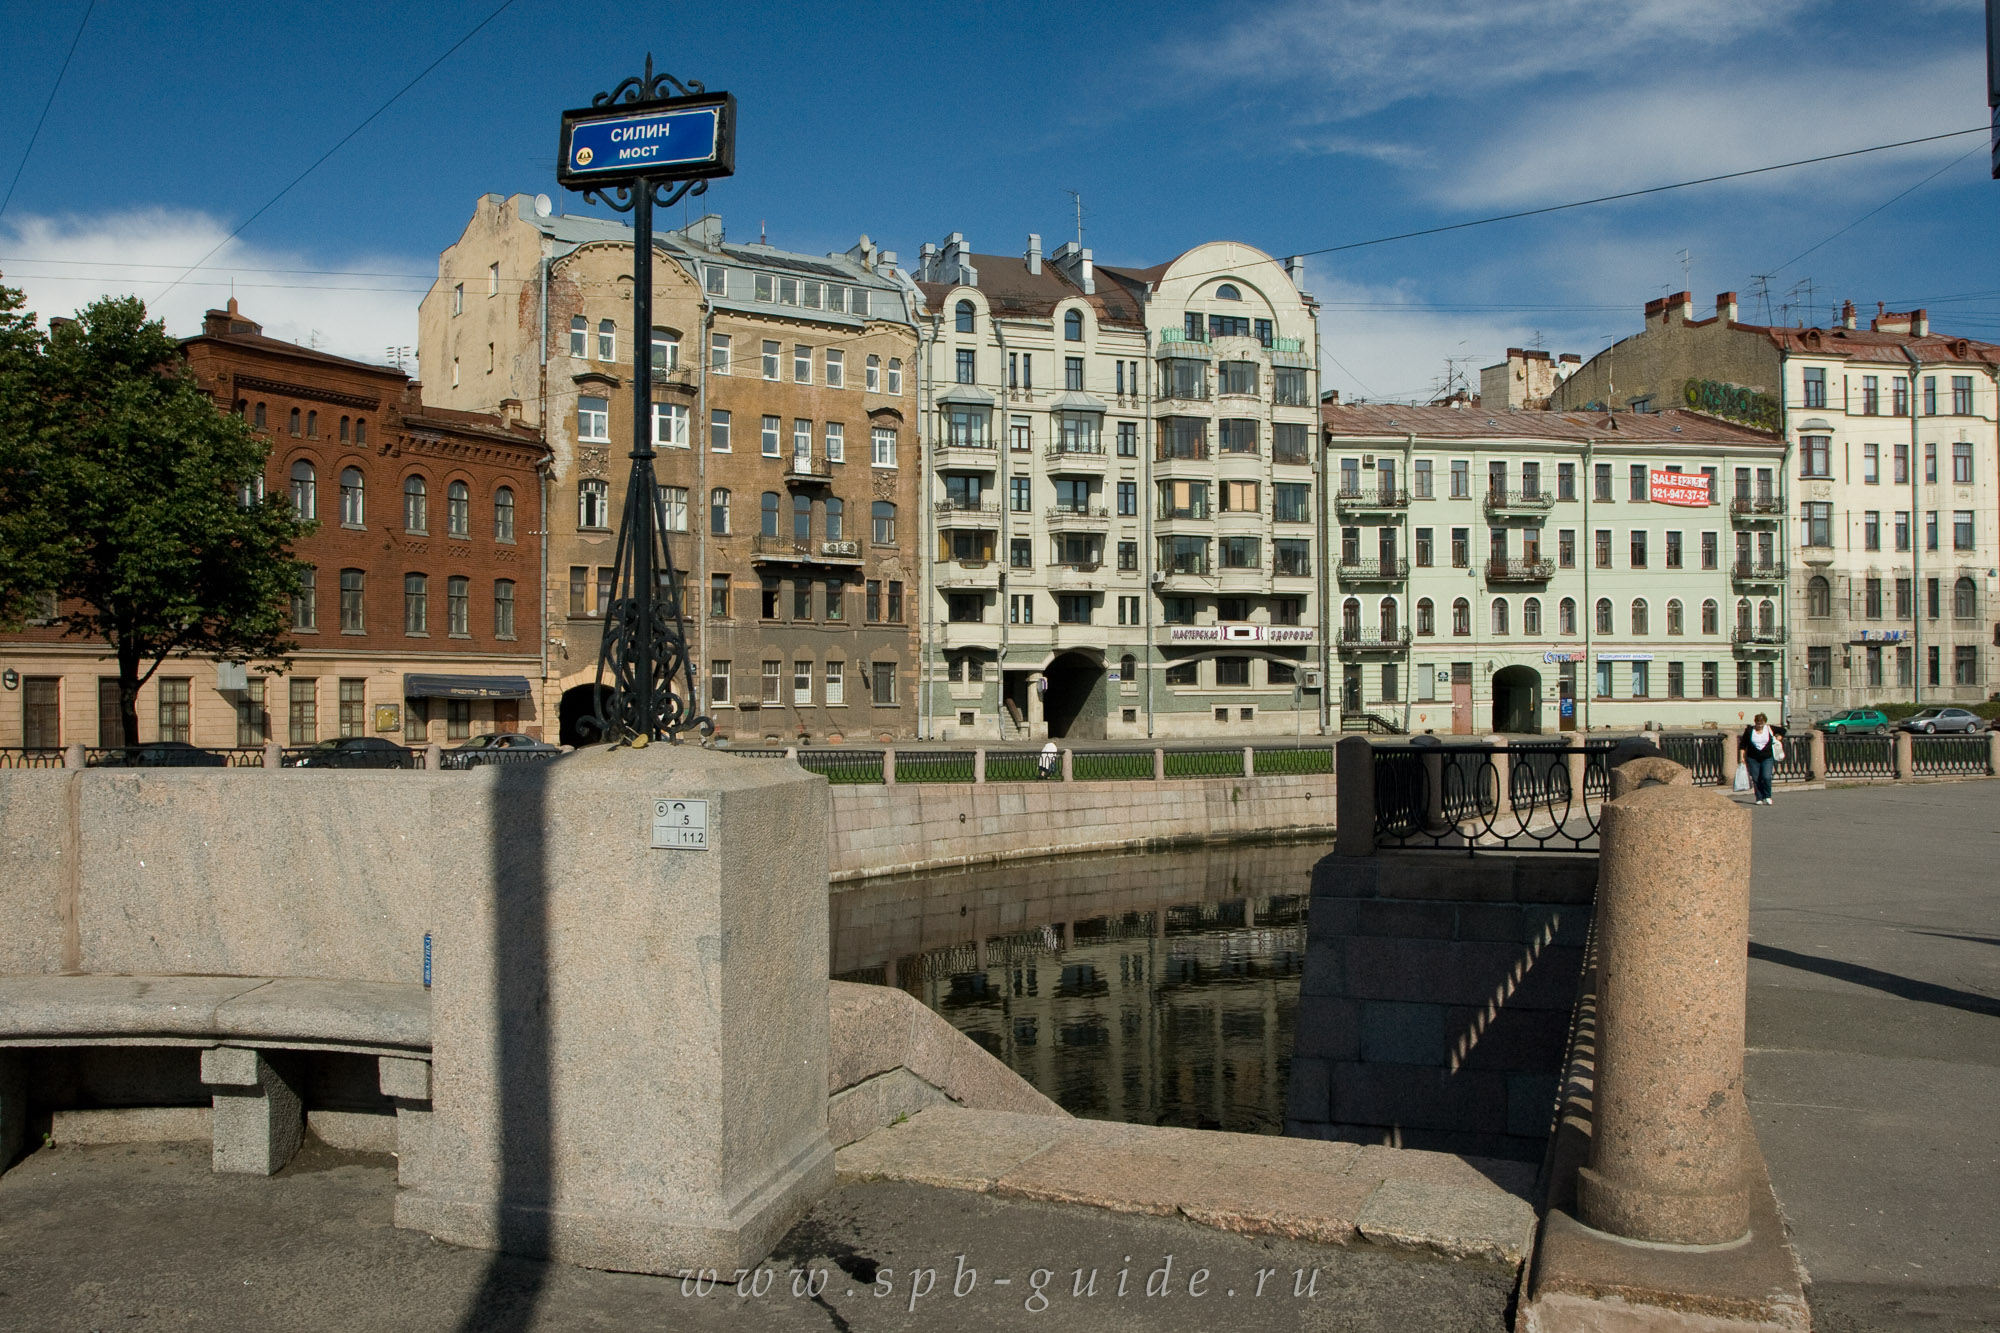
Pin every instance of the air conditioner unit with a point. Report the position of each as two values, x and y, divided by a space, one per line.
1309 679
1159 578
1367 460
839 548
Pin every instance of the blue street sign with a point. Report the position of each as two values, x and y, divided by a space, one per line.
669 139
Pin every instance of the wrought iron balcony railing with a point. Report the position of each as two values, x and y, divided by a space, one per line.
1520 571
1522 502
1372 571
1354 642
1371 498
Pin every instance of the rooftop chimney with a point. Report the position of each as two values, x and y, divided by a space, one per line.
705 231
1725 307
1073 261
1295 269
1847 317
1920 323
1034 254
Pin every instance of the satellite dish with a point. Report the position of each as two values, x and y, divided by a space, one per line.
544 206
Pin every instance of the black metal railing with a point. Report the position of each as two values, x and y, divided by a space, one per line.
1520 571
1111 766
1454 797
1796 766
1353 642
22 757
1860 756
1206 763
1372 569
843 766
1933 756
1532 501
934 766
1700 754
1372 497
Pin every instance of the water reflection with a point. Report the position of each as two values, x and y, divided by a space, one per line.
1154 988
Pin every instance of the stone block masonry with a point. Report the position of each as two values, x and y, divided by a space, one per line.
1436 999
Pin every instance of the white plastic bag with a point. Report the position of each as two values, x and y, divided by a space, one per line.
1778 748
1742 782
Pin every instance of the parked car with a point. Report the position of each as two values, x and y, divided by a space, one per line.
1871 720
473 752
1933 720
162 754
354 752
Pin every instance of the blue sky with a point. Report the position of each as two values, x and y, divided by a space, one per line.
1293 126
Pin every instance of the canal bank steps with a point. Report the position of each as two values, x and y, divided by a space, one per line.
1465 1209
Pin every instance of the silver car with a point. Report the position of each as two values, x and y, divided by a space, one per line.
499 748
1934 720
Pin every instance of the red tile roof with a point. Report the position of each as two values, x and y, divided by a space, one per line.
1385 420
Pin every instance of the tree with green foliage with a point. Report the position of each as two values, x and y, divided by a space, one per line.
168 546
31 549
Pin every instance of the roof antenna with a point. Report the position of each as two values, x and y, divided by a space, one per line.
760 231
1076 197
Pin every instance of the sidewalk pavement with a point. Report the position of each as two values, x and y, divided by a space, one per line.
145 1236
1874 1048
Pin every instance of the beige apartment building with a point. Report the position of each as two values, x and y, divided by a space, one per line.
784 414
1125 532
1892 505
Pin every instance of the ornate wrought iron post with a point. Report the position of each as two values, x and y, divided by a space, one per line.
651 690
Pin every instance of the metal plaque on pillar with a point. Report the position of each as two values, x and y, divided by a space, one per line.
651 140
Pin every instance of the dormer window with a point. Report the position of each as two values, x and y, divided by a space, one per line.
1228 292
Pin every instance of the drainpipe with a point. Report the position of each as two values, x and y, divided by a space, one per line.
1586 612
927 392
1916 538
1409 616
1148 554
1000 460
545 482
698 445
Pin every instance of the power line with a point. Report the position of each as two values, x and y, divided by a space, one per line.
1879 207
421 74
45 107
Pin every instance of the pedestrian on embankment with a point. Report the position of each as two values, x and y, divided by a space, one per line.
1761 746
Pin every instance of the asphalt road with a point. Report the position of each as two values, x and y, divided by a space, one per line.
1874 1048
146 1237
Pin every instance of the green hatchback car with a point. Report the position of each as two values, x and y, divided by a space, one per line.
1855 720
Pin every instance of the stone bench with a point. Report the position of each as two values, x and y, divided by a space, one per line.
249 1031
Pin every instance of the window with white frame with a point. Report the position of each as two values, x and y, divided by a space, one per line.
579 336
670 425
458 510
593 504
718 353
873 376
802 364
836 684
895 376
607 340
674 503
715 280
718 431
666 349
718 671
802 682
771 353
769 437
836 442
352 498
836 369
593 419
883 446
503 514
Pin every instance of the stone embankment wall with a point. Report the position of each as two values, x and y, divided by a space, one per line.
879 830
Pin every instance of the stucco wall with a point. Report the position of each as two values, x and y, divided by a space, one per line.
885 830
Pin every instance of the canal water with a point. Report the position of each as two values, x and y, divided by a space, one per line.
1159 989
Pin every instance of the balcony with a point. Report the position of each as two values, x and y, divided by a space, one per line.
1181 453
1393 570
1076 575
1178 342
1370 500
967 513
1528 504
978 457
801 470
1755 572
1360 642
1073 460
1088 516
1520 571
791 551
1182 393
967 575
1767 639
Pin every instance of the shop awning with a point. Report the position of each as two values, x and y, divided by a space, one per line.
465 687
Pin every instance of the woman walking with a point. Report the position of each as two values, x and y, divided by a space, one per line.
1761 746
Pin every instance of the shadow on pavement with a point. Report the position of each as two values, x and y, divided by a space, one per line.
1876 979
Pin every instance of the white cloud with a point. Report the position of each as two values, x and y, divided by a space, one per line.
1379 343
353 308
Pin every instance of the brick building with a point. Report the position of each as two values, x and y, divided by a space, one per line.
784 413
419 619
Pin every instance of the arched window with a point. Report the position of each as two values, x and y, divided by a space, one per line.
1642 618
964 317
1964 600
1128 669
346 423
352 509
503 608
1819 597
1711 617
361 430
1350 618
258 418
607 340
312 425
415 504
1531 616
835 513
503 514
458 605
1073 326
882 523
718 512
768 514
802 517
295 421
1675 623
1566 616
458 510
353 601
1743 615
1604 615
666 349
1387 613
1426 616
1767 616
1228 292
1497 615
1461 617
305 490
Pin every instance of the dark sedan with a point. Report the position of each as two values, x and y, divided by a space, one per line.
161 754
353 752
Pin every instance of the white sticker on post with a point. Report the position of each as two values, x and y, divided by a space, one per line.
680 824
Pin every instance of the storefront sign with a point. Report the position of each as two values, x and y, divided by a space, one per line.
1231 633
1678 488
1624 657
1576 656
1880 635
